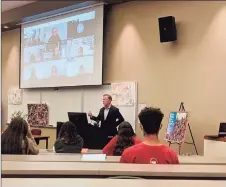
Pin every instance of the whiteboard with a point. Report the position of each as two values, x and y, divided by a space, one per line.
64 100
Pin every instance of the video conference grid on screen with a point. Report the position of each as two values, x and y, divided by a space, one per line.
62 52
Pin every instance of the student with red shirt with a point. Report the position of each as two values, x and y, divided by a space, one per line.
150 151
125 138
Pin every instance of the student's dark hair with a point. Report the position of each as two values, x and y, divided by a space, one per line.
125 138
109 96
68 134
150 119
14 139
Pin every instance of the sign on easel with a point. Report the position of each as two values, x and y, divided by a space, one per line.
177 125
176 130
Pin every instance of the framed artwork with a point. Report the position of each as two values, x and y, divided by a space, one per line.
15 96
38 114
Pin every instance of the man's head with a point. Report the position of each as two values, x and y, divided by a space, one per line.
150 119
107 100
54 31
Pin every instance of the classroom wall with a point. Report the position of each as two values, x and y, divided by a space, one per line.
190 70
10 66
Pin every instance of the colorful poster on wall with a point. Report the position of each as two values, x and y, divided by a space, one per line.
177 125
15 96
38 114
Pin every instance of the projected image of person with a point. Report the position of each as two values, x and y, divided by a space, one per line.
72 29
32 38
79 28
73 43
54 38
34 54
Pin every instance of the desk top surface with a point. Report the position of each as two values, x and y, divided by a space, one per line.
111 169
51 152
110 183
201 160
215 138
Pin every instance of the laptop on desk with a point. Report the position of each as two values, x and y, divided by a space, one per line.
222 130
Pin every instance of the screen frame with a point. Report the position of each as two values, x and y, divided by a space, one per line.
60 14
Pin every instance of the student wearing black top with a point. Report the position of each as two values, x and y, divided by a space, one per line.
68 141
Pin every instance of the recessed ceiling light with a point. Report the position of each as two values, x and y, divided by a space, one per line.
6 27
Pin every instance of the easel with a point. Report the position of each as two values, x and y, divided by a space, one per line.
182 109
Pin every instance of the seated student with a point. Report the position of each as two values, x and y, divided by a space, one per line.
68 141
125 138
17 138
150 151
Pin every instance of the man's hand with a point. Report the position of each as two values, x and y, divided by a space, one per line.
90 114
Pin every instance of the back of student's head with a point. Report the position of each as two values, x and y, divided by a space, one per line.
125 129
68 133
151 119
14 139
125 138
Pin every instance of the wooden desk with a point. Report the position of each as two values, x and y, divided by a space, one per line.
88 170
55 158
198 160
202 160
214 146
110 183
46 138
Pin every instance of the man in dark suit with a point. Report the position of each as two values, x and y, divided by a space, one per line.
109 117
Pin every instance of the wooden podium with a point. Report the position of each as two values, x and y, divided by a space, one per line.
214 146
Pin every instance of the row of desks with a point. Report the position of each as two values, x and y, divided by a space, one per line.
16 169
197 160
51 156
109 183
53 165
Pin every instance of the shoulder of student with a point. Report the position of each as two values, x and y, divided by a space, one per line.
169 150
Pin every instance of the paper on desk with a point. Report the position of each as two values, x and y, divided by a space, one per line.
84 150
93 157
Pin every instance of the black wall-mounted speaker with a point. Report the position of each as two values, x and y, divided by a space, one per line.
167 29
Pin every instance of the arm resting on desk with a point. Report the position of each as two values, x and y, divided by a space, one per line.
32 146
